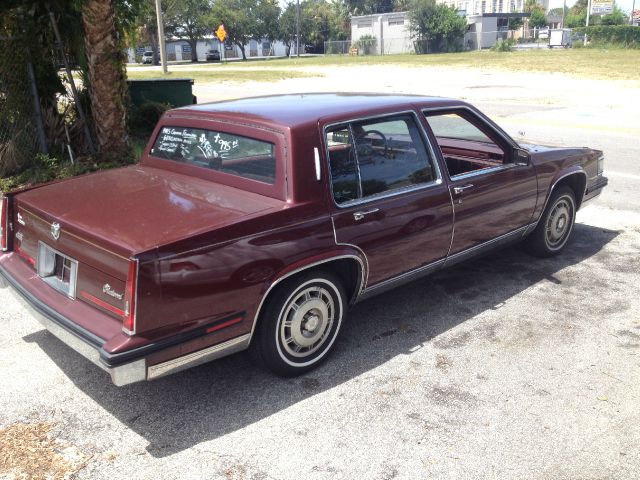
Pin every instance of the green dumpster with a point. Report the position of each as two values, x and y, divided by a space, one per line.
177 92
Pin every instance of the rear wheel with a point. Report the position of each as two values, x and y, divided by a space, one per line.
555 225
300 323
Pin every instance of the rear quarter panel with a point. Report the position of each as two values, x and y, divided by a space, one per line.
208 277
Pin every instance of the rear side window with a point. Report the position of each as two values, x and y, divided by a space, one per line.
223 152
372 157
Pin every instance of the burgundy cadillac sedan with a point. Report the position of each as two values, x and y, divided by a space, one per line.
257 223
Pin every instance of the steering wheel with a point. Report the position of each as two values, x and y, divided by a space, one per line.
381 135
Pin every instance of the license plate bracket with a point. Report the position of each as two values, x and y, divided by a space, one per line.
57 269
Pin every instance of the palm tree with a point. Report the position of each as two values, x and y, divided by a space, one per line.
107 79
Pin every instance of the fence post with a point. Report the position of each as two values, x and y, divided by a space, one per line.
37 112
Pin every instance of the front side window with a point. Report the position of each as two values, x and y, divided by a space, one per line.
464 145
223 152
369 158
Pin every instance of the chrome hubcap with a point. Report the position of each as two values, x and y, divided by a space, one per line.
306 322
559 222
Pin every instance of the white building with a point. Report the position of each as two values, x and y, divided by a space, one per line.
390 30
180 50
478 7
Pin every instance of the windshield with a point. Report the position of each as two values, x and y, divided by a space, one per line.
220 151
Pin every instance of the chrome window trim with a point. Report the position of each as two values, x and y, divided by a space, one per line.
301 269
391 193
483 171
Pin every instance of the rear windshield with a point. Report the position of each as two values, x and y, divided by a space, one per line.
224 152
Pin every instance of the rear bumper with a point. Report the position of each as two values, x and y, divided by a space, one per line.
124 368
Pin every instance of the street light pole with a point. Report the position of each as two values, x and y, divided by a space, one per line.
587 22
298 28
163 48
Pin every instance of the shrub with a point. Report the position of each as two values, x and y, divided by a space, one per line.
618 35
144 118
504 45
366 44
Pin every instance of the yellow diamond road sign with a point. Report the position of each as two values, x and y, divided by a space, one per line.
221 33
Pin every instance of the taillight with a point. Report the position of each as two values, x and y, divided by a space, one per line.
130 296
4 224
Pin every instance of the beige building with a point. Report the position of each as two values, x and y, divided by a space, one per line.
390 31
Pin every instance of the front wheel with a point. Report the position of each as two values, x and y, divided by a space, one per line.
555 225
299 324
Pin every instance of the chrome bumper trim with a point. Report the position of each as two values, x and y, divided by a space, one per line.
198 358
121 375
126 373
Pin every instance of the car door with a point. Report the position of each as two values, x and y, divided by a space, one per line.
389 197
493 193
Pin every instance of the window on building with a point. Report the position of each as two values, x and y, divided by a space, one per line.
186 48
365 24
372 157
483 7
396 21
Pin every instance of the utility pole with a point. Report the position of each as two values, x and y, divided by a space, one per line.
587 23
298 28
633 8
161 39
564 12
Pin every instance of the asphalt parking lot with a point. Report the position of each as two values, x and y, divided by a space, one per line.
505 367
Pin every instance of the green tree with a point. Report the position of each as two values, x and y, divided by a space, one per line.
287 26
188 20
238 17
436 27
268 15
538 19
616 17
317 16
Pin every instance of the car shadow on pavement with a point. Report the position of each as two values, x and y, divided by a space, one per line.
206 402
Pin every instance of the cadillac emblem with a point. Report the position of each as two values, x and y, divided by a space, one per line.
55 230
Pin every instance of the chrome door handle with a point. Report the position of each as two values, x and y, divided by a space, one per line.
459 190
360 215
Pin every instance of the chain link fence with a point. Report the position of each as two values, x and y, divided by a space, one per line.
369 46
20 136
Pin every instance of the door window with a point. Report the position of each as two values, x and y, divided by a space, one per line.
466 145
373 157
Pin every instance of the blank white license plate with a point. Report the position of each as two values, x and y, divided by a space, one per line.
57 269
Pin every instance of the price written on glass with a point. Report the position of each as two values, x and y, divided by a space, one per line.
221 33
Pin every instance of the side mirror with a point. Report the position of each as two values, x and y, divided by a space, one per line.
521 156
